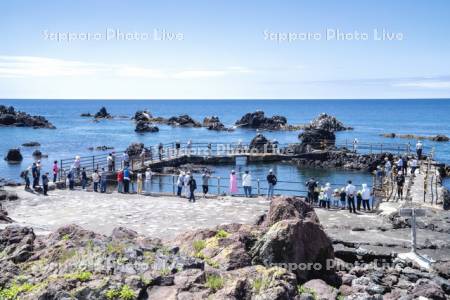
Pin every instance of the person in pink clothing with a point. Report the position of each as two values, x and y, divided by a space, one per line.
233 183
55 170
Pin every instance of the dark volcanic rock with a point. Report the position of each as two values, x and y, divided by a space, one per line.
4 219
37 153
102 114
86 115
257 120
183 121
213 123
435 138
31 144
135 149
10 117
316 139
144 126
327 123
143 115
261 144
14 155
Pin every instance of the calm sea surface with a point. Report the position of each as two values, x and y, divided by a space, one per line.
75 134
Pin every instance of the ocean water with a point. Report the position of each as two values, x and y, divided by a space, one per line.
75 134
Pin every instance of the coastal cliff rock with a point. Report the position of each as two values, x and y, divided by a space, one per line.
10 117
145 126
327 123
102 114
14 156
258 120
213 123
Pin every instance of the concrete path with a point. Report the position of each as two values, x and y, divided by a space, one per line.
154 216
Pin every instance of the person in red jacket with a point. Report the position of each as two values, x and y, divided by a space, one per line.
120 181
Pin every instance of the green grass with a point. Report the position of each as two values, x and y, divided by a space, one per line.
260 284
222 234
302 289
199 245
80 276
65 237
165 272
66 255
14 290
114 248
214 282
126 293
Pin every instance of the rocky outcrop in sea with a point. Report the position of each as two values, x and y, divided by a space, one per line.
102 114
258 120
214 123
144 126
10 117
14 156
328 123
434 138
260 144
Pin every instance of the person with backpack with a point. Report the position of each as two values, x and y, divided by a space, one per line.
55 171
400 180
45 181
192 187
126 180
271 181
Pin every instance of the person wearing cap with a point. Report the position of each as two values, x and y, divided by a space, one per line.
233 183
419 149
247 183
400 180
365 194
271 181
350 191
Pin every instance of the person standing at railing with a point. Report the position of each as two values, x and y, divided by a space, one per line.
109 162
45 181
103 181
336 198
405 165
366 194
419 149
342 197
125 160
400 180
120 181
311 184
328 194
143 156
148 181
355 144
233 183
139 183
186 178
126 180
180 183
77 165
113 156
192 184
160 151
71 177
34 174
209 149
83 178
247 183
271 181
350 191
55 170
95 180
414 165
205 182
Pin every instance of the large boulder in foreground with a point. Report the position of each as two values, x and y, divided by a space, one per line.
258 120
14 156
294 236
10 117
328 123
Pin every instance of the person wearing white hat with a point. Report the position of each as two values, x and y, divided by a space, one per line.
365 193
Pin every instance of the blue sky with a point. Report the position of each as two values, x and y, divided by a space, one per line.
224 49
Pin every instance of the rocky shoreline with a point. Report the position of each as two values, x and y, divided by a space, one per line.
266 260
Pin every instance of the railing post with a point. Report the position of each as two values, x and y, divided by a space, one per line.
60 169
218 186
173 184
259 188
381 147
93 163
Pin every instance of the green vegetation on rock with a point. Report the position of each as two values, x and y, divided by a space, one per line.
214 282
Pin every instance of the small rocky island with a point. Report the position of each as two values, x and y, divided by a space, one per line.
11 117
101 114
434 138
258 120
214 123
328 123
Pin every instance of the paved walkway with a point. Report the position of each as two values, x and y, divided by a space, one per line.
162 216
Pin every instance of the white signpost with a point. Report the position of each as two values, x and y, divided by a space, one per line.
413 255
